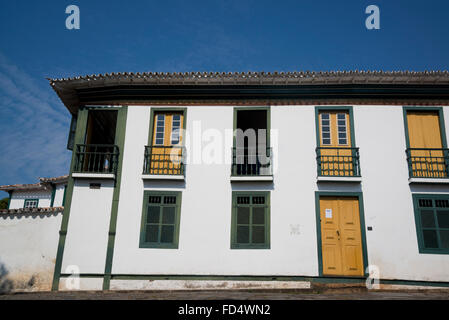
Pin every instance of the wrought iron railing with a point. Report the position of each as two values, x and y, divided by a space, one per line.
164 160
338 161
96 158
251 162
428 163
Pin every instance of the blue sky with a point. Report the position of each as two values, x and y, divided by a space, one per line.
184 35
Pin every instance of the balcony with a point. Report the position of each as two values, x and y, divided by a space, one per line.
248 165
338 164
95 161
428 165
164 162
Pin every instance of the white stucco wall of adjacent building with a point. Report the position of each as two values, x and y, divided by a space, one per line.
28 250
18 198
59 195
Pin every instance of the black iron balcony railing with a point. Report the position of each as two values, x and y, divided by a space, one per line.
338 162
96 158
251 162
164 160
428 163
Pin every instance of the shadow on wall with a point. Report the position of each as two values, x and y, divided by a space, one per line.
6 285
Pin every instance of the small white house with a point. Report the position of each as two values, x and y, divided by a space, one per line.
29 234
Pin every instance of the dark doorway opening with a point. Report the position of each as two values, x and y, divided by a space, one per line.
251 152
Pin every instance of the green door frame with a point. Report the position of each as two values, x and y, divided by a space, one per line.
359 196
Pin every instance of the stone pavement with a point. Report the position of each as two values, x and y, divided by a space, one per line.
432 294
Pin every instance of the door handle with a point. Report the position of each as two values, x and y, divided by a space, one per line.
338 234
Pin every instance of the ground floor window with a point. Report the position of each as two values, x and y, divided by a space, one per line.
31 203
160 219
432 222
250 225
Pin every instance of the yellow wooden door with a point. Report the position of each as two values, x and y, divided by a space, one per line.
166 151
341 237
424 132
335 140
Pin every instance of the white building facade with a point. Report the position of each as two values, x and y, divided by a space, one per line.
354 178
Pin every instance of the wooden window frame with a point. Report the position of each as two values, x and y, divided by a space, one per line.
163 129
266 244
175 131
338 109
160 245
321 128
346 128
158 110
419 228
26 200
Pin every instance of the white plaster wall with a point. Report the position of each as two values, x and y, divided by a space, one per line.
59 195
206 285
28 245
87 233
18 198
392 244
204 240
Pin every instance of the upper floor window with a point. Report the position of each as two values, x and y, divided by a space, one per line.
326 129
426 146
336 154
342 129
167 128
164 154
176 127
31 203
334 129
251 153
160 129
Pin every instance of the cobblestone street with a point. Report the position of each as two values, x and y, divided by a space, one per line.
234 295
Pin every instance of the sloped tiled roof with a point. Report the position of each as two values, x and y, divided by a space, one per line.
61 179
312 87
41 185
31 210
301 77
15 187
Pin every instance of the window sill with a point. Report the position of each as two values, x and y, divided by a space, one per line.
252 178
429 180
249 247
93 175
158 246
177 177
433 251
338 179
